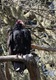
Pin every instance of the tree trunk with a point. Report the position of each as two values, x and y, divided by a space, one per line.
2 76
7 72
33 69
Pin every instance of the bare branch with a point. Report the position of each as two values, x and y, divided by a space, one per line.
30 63
43 48
19 58
11 58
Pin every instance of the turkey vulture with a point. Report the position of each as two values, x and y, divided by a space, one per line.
19 42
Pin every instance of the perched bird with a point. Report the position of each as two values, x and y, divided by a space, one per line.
19 42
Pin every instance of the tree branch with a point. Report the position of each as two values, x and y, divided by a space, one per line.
43 48
29 62
11 58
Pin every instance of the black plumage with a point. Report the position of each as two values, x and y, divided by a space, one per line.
19 42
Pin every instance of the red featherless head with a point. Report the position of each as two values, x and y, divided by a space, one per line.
20 22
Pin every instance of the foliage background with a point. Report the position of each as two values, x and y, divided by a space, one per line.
43 32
